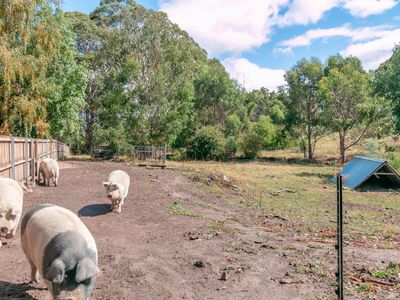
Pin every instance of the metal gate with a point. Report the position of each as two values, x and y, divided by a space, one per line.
150 155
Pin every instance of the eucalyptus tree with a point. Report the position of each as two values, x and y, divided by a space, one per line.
304 106
148 66
349 107
386 81
88 39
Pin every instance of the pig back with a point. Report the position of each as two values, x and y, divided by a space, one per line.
41 224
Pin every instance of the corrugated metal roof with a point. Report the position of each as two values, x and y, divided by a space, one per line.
358 170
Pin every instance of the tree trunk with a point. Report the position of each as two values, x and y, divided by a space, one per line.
303 148
342 146
309 143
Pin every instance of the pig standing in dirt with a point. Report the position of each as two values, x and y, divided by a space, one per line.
117 188
50 170
11 200
61 249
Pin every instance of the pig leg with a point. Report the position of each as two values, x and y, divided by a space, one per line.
118 207
56 181
34 272
48 181
113 204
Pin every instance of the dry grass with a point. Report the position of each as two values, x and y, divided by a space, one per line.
327 148
311 208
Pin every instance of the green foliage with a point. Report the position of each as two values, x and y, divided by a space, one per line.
179 154
233 125
349 108
177 209
250 143
394 160
305 105
207 144
266 131
29 43
231 146
372 147
391 270
113 137
66 94
260 135
387 84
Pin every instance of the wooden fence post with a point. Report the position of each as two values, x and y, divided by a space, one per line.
47 148
33 162
12 157
26 160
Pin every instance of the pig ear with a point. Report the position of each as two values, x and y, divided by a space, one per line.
55 273
86 269
105 183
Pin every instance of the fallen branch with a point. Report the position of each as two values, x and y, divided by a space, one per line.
373 281
278 192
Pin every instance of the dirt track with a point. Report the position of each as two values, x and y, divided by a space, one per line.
146 252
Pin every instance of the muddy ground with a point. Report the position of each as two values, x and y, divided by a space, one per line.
174 240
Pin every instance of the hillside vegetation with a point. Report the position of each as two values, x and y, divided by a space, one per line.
125 75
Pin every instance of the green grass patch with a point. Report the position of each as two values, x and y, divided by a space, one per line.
177 209
392 270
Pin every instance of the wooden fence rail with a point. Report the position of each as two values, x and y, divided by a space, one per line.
20 157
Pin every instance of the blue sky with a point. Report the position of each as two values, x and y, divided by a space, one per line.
258 40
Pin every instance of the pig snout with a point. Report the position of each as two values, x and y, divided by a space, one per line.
4 230
109 196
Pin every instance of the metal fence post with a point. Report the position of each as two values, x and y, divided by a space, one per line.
339 245
12 145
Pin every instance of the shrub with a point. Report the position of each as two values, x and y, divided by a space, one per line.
233 125
394 160
179 154
250 143
113 137
372 148
230 147
207 144
266 132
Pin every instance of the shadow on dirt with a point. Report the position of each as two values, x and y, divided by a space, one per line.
94 210
10 290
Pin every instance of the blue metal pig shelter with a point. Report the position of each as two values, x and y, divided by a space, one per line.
369 174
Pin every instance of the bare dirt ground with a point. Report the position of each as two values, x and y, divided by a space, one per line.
174 240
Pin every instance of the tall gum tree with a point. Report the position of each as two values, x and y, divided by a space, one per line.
304 107
349 107
386 81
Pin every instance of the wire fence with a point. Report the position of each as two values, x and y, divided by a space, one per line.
20 157
150 155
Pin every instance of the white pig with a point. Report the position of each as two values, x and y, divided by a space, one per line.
50 170
11 200
117 188
60 249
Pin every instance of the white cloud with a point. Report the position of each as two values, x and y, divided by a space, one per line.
374 52
373 45
306 12
252 76
313 34
365 8
225 26
235 26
